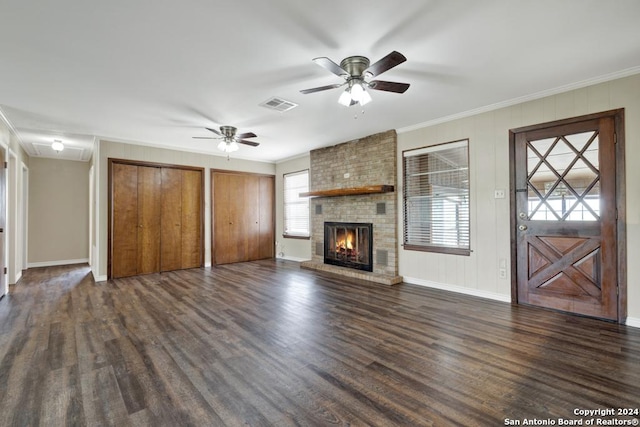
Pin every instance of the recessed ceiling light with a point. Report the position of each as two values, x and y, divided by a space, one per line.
57 145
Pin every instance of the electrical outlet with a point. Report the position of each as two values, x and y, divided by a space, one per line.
499 194
502 273
347 175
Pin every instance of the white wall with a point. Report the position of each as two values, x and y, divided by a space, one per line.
58 212
489 170
293 249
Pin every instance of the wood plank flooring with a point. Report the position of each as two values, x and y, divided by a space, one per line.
267 344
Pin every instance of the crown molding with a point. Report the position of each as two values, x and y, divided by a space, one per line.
520 100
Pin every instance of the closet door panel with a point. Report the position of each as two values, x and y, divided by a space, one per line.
266 217
191 218
251 216
221 217
237 244
242 223
149 182
171 220
124 242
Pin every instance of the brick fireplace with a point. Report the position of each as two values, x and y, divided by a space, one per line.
349 244
356 181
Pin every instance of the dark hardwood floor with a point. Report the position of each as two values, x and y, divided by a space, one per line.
267 344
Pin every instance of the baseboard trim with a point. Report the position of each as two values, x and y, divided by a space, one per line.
293 258
55 263
458 289
634 322
99 278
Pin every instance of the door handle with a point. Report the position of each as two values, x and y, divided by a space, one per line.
522 227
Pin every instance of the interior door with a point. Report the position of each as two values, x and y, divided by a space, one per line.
267 232
3 223
237 243
171 220
242 217
565 217
155 218
191 219
124 234
225 237
149 182
252 216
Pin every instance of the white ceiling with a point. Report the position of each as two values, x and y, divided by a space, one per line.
157 72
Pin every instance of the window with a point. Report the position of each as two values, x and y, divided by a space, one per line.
296 208
436 198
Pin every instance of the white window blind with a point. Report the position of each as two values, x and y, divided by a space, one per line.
296 208
436 198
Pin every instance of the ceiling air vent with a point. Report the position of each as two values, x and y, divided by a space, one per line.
279 104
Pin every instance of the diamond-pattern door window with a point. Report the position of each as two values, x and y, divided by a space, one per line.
563 178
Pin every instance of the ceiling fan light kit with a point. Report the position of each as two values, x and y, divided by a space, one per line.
228 146
229 139
355 70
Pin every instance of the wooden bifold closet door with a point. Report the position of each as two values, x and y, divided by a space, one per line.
243 226
156 218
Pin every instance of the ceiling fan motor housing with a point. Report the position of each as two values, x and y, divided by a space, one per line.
228 131
355 65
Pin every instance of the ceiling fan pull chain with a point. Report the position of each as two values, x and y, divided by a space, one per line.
355 116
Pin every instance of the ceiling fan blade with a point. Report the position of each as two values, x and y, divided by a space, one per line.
328 64
386 63
246 135
214 131
204 137
251 143
389 86
321 88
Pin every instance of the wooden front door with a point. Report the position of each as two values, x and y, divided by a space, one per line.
565 216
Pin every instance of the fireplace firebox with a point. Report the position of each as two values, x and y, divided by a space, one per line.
349 244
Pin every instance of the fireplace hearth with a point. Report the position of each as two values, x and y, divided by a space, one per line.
349 244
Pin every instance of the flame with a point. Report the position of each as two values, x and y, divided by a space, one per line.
346 243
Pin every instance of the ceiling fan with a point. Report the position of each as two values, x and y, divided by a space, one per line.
356 70
229 139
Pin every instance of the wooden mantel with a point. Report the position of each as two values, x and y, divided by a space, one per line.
353 191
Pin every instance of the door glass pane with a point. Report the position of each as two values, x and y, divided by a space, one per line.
563 178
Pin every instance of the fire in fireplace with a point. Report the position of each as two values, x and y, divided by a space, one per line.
349 244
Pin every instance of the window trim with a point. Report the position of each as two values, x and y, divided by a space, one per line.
284 210
431 247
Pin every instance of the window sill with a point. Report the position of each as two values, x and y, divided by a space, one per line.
288 236
436 249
